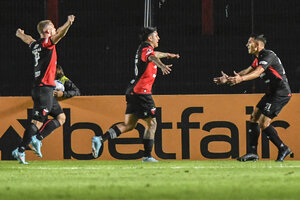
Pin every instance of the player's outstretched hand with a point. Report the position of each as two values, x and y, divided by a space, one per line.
166 70
222 79
236 79
172 55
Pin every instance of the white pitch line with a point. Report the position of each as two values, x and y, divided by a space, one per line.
147 167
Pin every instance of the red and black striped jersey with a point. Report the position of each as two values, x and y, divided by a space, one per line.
274 75
144 71
45 58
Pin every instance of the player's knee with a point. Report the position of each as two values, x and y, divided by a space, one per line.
130 127
37 124
127 127
153 123
61 118
263 125
32 129
253 119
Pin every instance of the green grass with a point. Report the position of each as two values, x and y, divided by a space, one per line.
136 180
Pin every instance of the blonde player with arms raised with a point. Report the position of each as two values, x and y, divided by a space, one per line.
44 103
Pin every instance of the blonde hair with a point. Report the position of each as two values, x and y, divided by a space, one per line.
41 25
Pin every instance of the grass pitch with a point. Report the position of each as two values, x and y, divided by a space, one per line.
163 180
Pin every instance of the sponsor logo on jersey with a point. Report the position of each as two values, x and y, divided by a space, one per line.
263 62
36 46
149 51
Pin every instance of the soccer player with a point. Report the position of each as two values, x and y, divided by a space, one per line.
70 89
44 103
269 68
140 104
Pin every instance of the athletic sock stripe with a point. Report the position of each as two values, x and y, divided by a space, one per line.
44 125
112 133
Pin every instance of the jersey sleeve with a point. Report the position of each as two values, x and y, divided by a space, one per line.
255 63
265 61
146 52
31 45
47 42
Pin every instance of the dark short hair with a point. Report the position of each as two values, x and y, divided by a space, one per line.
145 32
259 37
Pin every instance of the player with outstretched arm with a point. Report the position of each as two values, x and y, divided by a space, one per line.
269 68
140 104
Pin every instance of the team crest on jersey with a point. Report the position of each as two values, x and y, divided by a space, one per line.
45 111
153 111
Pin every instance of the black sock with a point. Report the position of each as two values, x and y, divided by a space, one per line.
254 132
29 132
148 146
112 133
48 128
273 136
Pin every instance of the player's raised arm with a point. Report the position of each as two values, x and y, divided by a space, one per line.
25 38
159 54
62 31
166 69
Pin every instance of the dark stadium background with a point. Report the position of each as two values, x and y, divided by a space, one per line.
98 52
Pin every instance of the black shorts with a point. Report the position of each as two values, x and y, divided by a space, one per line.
142 105
44 103
271 106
